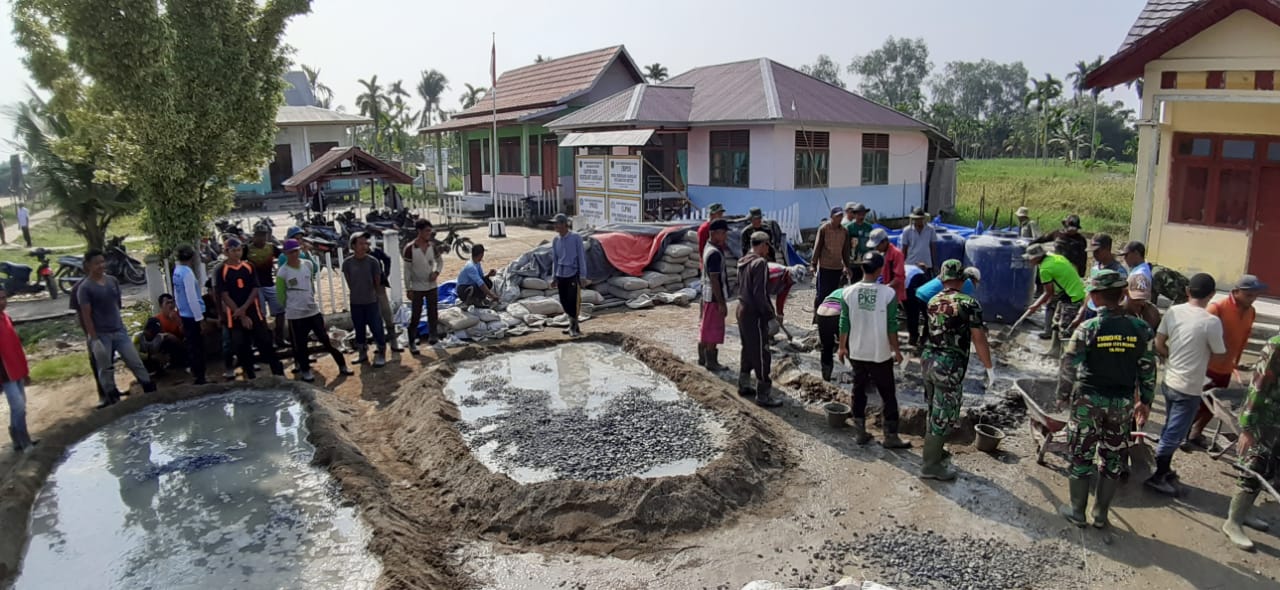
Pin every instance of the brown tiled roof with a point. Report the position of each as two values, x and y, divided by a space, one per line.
1154 14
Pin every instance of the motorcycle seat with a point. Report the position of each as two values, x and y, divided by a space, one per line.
71 260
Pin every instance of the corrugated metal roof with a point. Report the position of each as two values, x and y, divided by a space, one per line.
479 121
609 138
755 90
288 116
1154 14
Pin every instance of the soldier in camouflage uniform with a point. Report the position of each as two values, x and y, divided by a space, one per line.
1107 358
1259 444
955 319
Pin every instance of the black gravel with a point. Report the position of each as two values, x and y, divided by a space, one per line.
630 434
910 558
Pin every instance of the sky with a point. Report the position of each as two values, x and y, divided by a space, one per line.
397 39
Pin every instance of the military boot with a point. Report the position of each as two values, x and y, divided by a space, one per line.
891 440
713 361
860 434
744 384
764 398
826 372
1240 505
1102 503
1074 512
702 356
933 455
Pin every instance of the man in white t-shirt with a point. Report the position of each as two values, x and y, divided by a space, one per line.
1189 337
869 337
24 223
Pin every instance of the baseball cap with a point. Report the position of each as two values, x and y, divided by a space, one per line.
1139 287
234 243
836 211
294 232
872 261
718 225
1022 212
715 208
560 218
760 238
1100 242
952 270
1033 251
291 245
877 235
1134 246
1250 283
756 212
1105 279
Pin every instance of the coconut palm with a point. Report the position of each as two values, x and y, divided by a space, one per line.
373 103
471 96
655 72
430 87
322 94
541 58
1078 84
1043 93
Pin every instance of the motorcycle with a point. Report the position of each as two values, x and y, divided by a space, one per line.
16 278
119 264
452 241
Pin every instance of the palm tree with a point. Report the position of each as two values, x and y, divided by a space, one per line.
1043 92
471 96
323 94
430 87
1077 77
541 58
372 103
655 72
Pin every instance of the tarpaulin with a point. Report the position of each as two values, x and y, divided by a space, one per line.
631 248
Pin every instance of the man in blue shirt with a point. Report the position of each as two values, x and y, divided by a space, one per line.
1135 257
186 294
568 270
474 286
927 291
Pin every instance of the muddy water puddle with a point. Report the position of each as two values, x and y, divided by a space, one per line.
211 493
582 411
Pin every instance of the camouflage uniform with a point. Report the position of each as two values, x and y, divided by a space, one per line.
1261 418
1169 283
952 315
1106 358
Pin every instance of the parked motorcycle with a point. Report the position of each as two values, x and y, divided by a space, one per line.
18 280
452 241
119 265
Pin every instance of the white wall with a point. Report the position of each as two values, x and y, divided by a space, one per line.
763 163
908 157
300 147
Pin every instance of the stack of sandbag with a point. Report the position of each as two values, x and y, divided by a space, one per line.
677 264
536 287
626 287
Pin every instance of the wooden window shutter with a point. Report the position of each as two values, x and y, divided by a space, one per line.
813 140
875 141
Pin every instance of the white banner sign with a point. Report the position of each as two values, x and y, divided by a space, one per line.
624 209
591 208
624 174
590 172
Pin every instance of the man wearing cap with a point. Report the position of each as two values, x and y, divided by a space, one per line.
757 225
236 283
1259 444
568 270
855 223
830 257
919 242
929 290
1061 285
1103 259
755 311
1068 242
422 266
894 273
715 296
869 338
297 294
1107 358
1189 338
714 212
1236 312
297 233
1137 301
1027 227
955 321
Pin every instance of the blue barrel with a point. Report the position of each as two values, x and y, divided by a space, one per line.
1007 280
950 247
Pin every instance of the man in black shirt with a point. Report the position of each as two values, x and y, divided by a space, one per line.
237 285
757 224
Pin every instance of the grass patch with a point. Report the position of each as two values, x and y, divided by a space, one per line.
1102 199
61 368
32 333
52 234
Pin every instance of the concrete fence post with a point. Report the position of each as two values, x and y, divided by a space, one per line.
397 268
155 280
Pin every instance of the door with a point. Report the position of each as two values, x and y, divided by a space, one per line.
550 165
281 167
476 164
1266 231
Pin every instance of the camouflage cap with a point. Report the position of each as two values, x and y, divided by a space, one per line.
952 270
1106 279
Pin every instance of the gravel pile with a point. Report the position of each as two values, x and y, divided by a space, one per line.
911 558
629 435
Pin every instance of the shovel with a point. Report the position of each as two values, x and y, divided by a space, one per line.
1012 329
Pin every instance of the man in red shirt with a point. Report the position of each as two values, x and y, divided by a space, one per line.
1237 314
714 212
895 264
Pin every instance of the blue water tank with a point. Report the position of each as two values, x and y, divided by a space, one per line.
1007 280
950 247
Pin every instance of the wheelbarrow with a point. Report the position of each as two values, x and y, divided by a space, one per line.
1045 425
1222 402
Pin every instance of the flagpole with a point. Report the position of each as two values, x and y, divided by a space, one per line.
493 145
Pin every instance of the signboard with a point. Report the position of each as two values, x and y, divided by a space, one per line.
590 173
624 209
625 174
591 209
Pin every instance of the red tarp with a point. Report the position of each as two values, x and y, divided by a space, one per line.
631 253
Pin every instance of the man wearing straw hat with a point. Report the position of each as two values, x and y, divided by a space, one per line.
1027 227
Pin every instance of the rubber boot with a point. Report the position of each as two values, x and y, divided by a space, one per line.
933 466
891 440
1074 512
744 384
826 372
764 398
1055 346
702 356
860 434
1240 505
713 361
1102 503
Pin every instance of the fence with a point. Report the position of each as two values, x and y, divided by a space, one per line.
788 219
504 206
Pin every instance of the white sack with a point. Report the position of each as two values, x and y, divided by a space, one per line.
535 283
628 283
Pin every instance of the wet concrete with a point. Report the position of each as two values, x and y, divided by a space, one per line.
216 492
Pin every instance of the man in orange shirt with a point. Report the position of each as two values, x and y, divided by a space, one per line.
894 273
1237 314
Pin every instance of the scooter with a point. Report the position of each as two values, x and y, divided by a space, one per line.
16 278
452 241
119 264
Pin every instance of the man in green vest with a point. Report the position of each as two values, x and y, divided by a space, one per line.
1061 284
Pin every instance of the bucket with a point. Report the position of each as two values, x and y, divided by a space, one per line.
837 413
989 437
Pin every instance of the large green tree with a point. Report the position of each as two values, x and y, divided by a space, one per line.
189 90
824 69
894 74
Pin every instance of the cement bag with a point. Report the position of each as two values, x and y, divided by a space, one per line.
486 315
674 259
535 320
692 294
691 238
527 293
693 263
535 283
592 297
454 320
680 250
654 279
496 326
695 284
543 306
689 274
477 331
511 321
508 291
627 283
518 311
667 267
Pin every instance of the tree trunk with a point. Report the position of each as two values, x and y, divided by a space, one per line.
1093 133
